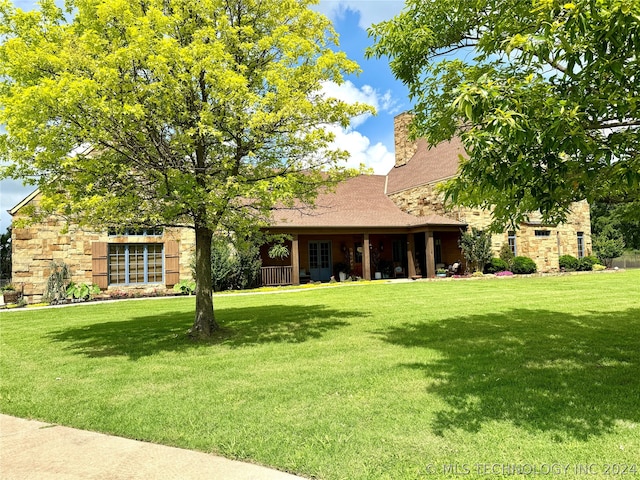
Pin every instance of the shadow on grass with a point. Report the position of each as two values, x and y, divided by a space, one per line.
138 337
573 376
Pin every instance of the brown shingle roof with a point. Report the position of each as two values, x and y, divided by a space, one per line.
427 165
358 202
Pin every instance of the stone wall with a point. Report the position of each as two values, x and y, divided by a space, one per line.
34 248
545 251
405 147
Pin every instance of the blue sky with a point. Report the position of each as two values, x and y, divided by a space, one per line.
369 140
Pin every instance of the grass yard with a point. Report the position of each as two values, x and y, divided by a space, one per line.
521 376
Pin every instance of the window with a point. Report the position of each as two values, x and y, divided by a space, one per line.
580 244
137 232
135 263
512 243
543 233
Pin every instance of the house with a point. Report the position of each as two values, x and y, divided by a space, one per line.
400 219
371 226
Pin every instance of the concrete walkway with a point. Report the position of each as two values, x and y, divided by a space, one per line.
36 450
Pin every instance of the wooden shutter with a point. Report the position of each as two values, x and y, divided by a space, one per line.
171 263
99 264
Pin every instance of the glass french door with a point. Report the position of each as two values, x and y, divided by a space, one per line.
320 261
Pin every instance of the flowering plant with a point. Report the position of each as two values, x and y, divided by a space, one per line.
504 273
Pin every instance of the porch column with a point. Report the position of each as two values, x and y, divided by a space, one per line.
366 258
430 255
411 248
295 261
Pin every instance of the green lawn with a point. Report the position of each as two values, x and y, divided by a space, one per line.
376 381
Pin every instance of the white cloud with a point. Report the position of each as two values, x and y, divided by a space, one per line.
349 93
371 11
362 152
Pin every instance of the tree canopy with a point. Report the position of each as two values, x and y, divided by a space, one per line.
197 113
545 95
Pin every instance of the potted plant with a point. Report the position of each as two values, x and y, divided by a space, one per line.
441 272
341 270
10 294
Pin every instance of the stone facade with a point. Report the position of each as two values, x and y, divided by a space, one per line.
34 247
543 248
405 147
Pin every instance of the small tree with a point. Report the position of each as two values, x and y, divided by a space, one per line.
506 254
476 248
608 245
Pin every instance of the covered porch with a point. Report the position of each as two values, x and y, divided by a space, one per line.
319 255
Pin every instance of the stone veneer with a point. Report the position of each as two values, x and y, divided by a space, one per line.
545 251
36 246
405 147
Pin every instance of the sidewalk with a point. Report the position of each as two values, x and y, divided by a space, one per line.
36 450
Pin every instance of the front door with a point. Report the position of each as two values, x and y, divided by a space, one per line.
320 261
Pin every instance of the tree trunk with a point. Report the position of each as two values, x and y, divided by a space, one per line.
205 323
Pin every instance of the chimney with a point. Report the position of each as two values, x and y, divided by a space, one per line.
405 147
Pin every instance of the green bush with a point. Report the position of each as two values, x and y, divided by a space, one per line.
496 265
82 291
247 266
185 287
585 264
523 265
568 262
234 266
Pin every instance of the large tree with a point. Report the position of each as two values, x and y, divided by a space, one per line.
545 95
196 113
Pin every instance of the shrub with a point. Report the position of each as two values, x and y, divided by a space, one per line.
568 262
234 265
82 291
523 265
506 255
496 265
597 267
247 266
185 287
585 264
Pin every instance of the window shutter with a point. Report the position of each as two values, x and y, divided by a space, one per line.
99 265
171 263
